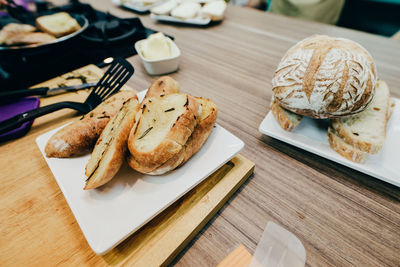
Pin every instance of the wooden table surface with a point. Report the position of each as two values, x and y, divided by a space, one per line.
342 217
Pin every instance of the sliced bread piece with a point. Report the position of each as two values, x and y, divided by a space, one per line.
12 29
165 8
214 10
163 86
344 149
109 153
58 24
163 129
200 134
186 10
366 130
285 118
28 38
79 137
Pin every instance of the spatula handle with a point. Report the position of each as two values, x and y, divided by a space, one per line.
19 119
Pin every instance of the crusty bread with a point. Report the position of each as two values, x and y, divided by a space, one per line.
162 130
163 86
28 38
79 137
285 118
366 131
325 77
109 152
160 88
12 29
200 134
165 8
344 149
214 10
58 24
186 10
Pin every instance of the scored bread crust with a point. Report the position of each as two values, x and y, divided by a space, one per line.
80 136
286 119
345 149
108 155
196 140
173 141
325 77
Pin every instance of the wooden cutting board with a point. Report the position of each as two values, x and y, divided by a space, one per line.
164 237
37 227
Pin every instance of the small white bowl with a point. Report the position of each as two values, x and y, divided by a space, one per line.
160 66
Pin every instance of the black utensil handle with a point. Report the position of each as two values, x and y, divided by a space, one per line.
11 95
17 120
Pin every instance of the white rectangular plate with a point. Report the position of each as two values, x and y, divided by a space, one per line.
311 135
137 7
111 213
194 21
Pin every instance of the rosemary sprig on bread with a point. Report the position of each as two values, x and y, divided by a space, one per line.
155 136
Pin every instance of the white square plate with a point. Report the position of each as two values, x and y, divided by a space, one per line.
194 21
137 7
111 213
311 135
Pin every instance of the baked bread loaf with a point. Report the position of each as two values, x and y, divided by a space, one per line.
58 24
162 130
109 153
366 131
200 134
325 77
79 137
285 118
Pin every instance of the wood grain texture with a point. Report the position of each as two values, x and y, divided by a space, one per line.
160 240
239 257
342 217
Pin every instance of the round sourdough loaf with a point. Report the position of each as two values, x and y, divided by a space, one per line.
325 77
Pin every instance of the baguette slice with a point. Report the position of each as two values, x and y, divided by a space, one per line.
109 152
161 87
199 136
285 118
58 24
366 130
79 137
344 149
163 129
